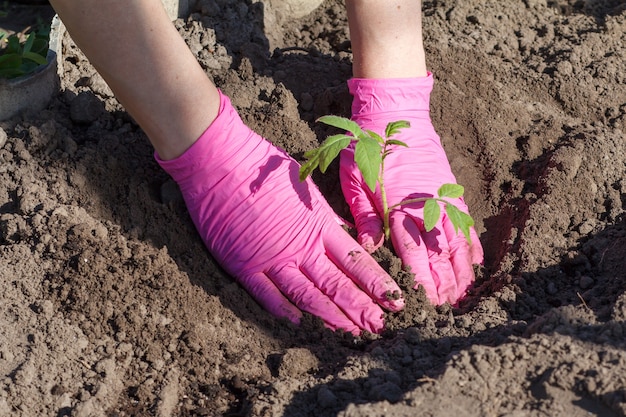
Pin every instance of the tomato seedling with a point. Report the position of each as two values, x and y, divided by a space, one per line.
370 152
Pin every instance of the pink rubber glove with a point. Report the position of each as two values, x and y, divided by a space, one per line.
441 259
276 235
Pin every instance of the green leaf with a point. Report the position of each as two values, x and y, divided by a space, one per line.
342 123
40 46
394 127
311 153
460 220
10 72
19 58
375 136
44 32
322 157
331 148
450 191
367 155
29 42
308 167
13 45
396 142
454 215
28 67
35 58
10 60
432 211
11 66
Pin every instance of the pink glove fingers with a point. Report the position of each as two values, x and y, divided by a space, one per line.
411 248
265 227
296 285
358 307
366 273
436 273
439 258
444 277
270 297
462 257
368 222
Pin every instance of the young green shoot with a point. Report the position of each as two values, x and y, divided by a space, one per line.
370 152
19 58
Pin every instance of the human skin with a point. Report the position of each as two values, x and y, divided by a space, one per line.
153 74
391 83
155 77
386 38
147 64
177 102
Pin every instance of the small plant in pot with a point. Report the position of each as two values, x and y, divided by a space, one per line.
29 66
22 54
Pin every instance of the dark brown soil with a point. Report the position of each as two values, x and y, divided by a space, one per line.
22 17
111 306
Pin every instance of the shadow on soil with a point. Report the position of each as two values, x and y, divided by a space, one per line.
581 297
546 301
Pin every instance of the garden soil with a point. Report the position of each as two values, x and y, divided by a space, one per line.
111 306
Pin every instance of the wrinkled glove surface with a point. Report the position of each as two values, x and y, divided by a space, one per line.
276 235
441 259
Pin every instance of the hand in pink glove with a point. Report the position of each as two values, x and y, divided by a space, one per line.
440 259
276 235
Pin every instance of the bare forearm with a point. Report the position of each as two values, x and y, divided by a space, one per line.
386 38
139 53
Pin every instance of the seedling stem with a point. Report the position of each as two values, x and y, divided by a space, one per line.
370 153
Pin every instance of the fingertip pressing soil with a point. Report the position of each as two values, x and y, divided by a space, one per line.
111 306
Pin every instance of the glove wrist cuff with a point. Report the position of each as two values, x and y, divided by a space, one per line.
220 145
376 96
